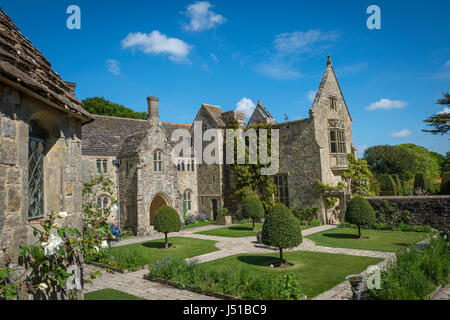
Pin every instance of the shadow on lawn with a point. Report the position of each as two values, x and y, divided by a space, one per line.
242 228
341 235
258 260
156 245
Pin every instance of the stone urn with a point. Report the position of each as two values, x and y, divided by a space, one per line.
224 220
355 282
259 237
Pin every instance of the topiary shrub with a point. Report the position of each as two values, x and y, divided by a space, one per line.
167 220
398 184
387 185
281 229
445 184
420 183
252 208
359 212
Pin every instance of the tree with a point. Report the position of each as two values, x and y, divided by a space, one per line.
440 121
248 177
359 212
281 229
385 159
388 186
101 106
420 183
426 162
167 220
252 208
360 176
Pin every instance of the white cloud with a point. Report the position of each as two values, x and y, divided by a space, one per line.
277 71
201 17
113 66
447 64
311 95
158 43
401 134
246 105
387 104
298 42
214 57
444 111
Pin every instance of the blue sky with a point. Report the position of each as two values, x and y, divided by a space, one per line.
233 53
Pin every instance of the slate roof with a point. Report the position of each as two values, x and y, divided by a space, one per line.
117 136
21 63
215 112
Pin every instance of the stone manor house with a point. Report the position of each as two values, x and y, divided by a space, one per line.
49 146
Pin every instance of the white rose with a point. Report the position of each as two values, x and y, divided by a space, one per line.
62 214
51 245
97 249
114 208
42 286
104 244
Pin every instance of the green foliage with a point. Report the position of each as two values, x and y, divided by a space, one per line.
315 223
398 184
101 106
252 208
231 281
249 179
446 165
440 122
360 176
167 220
420 183
359 212
281 229
222 212
426 162
8 287
388 187
385 159
416 273
445 183
305 213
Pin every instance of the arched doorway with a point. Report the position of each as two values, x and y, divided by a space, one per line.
158 201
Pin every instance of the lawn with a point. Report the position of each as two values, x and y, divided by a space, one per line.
110 294
236 231
199 224
316 272
135 255
379 240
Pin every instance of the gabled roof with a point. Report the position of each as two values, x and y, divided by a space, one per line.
215 112
105 135
329 70
26 68
262 111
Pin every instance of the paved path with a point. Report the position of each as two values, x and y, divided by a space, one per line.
133 282
442 294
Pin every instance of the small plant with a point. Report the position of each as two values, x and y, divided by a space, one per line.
222 212
8 287
252 208
359 212
167 220
281 230
315 223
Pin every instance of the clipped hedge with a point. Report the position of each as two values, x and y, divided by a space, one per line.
445 184
167 220
420 183
359 212
398 184
387 185
252 208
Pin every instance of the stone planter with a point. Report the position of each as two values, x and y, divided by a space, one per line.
259 237
224 220
355 282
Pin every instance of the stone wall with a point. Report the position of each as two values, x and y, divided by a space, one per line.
425 210
62 184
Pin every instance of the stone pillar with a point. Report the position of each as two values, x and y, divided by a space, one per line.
153 111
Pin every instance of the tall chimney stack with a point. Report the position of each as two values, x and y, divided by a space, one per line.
153 112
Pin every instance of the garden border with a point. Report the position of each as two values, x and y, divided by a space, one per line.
99 265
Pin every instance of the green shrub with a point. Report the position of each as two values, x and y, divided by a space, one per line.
240 282
252 208
416 273
420 183
167 220
359 212
445 183
128 260
398 184
387 186
315 223
281 229
345 225
305 213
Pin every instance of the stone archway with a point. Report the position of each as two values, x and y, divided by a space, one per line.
158 201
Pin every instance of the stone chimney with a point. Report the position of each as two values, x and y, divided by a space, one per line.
72 86
153 112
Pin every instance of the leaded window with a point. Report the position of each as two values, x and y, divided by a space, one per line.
99 166
157 161
333 103
337 141
35 177
187 199
281 181
103 204
105 166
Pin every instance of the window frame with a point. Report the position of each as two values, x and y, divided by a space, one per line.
187 198
158 161
282 182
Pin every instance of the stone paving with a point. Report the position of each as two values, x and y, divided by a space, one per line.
442 294
133 282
